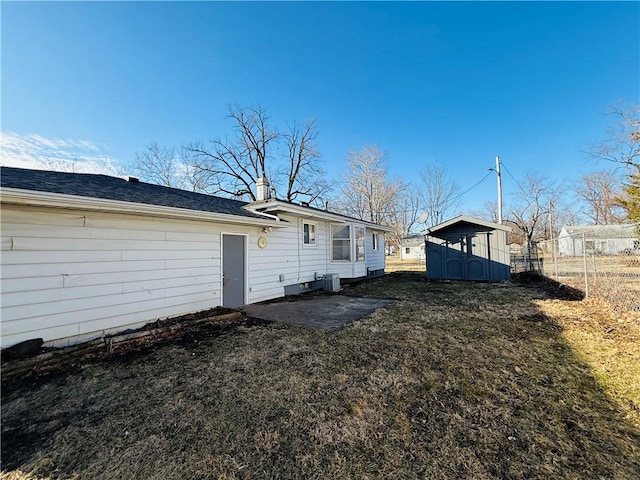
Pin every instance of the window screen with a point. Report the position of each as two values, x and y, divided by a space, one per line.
359 244
341 243
309 234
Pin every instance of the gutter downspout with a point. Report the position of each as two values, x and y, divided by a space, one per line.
268 215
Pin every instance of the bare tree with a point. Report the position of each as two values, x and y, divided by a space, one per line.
489 211
367 192
195 179
441 194
563 214
80 164
232 167
304 174
59 164
410 208
622 144
599 192
404 217
160 165
530 207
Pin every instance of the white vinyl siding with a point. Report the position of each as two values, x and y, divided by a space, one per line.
279 257
81 275
72 275
286 255
413 249
375 259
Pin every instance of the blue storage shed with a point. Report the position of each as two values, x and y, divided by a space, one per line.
467 248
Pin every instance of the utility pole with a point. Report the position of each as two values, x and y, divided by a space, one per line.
499 190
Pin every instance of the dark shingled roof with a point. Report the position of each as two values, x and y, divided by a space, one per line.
112 188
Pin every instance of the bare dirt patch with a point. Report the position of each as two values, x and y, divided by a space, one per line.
452 381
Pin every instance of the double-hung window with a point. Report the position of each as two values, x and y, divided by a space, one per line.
309 234
340 243
359 231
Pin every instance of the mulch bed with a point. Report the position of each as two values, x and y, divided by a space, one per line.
48 361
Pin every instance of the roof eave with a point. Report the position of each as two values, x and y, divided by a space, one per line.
17 196
305 212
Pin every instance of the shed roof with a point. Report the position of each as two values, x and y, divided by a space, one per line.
464 219
113 188
602 231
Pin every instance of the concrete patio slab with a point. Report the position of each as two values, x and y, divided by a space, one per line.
329 312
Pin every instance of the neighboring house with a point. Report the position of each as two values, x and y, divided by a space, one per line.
598 240
87 255
412 248
466 248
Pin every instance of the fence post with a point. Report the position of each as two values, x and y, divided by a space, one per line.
584 258
555 257
553 243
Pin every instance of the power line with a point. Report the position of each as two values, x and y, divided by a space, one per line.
472 187
458 195
512 177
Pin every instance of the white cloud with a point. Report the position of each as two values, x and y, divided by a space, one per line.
42 153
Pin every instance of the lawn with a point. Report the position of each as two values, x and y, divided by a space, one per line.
393 263
615 278
454 380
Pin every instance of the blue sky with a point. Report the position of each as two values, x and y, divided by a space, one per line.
453 82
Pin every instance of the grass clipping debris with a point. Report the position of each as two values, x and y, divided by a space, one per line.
453 381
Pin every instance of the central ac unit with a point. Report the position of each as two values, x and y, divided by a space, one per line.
332 282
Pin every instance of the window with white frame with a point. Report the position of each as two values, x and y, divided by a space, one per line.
374 241
340 242
309 234
359 231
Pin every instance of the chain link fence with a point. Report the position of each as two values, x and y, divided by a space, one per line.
603 261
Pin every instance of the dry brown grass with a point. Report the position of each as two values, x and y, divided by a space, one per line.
20 475
614 278
393 263
609 342
453 381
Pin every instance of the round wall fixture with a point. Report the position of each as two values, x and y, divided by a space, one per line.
262 242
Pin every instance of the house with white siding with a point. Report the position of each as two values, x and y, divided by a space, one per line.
598 239
86 255
413 248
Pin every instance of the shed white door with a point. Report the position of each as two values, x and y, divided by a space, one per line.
233 270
